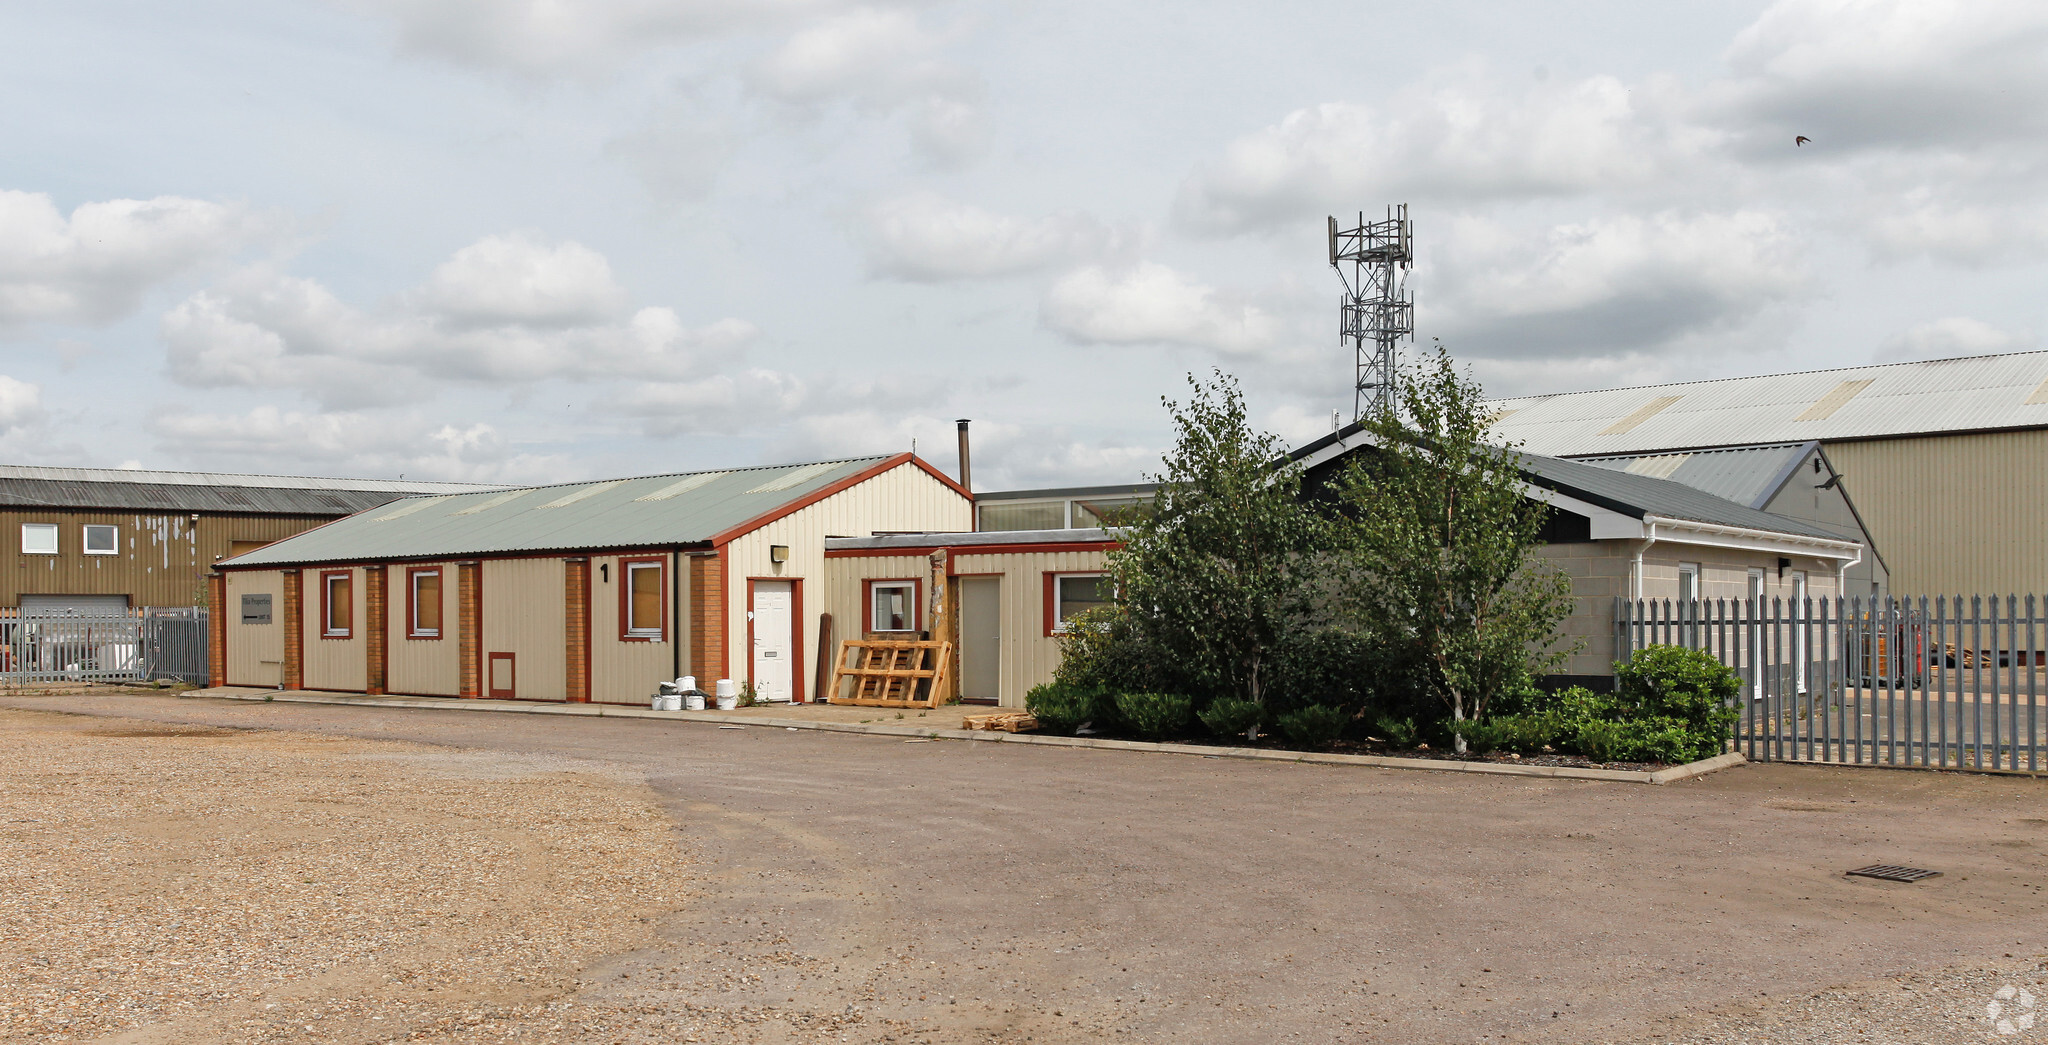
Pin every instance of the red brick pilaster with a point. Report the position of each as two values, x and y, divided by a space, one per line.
293 673
576 628
217 629
377 619
469 625
707 618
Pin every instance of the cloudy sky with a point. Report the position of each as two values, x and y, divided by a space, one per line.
511 240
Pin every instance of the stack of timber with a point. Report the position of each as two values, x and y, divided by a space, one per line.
1006 722
891 674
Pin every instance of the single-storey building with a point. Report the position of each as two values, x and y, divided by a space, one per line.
1619 534
1002 598
590 591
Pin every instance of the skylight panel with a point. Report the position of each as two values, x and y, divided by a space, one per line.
794 476
682 486
1825 407
589 491
408 508
1640 414
491 502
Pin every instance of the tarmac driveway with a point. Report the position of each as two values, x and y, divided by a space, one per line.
958 891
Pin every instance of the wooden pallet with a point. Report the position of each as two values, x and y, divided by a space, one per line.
1005 722
891 674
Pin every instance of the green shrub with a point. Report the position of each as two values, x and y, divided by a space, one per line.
1314 726
1656 739
1679 698
1155 715
1229 716
1063 708
1399 733
1522 734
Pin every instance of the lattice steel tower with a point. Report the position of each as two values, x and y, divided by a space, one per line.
1378 311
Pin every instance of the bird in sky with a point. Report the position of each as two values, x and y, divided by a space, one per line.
1800 140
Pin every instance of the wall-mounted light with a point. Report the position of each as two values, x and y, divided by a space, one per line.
778 553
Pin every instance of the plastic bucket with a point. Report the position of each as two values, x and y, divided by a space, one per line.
693 701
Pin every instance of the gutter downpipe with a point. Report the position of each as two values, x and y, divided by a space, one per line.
1842 576
1636 580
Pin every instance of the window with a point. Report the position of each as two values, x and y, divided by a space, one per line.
1799 628
1688 582
101 540
892 606
643 610
424 602
39 538
1023 515
1071 594
337 605
1109 511
1688 603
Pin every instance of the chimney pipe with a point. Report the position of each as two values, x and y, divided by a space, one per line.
965 476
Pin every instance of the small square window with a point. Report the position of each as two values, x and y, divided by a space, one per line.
1077 593
39 538
102 540
894 606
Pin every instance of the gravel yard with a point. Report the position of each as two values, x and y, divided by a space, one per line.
228 885
878 891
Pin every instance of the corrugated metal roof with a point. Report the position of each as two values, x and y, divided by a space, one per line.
984 538
159 497
1744 474
1942 395
615 513
1613 489
276 482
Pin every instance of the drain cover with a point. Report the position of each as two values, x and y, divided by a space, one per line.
1894 873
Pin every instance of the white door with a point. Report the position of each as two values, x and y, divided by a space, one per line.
773 643
981 638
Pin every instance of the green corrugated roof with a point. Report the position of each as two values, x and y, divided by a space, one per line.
648 511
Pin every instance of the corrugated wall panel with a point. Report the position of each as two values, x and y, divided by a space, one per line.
905 498
623 672
524 615
336 664
255 651
1029 655
163 559
425 667
1957 514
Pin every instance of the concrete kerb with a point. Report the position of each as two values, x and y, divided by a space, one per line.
1662 776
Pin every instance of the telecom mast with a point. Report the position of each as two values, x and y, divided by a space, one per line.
1378 311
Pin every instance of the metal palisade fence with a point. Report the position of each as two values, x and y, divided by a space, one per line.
1949 682
133 646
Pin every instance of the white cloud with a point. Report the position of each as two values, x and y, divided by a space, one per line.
1890 74
508 310
1462 138
1612 285
680 152
1952 336
754 398
95 265
925 237
518 279
549 37
21 404
378 443
1149 303
880 60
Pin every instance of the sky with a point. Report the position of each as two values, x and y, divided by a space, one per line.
536 241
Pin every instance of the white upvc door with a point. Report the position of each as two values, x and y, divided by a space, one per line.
773 642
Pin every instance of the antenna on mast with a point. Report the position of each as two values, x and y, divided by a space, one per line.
1372 259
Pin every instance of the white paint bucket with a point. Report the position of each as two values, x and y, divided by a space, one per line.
728 695
693 701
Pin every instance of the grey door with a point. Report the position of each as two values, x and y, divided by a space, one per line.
981 638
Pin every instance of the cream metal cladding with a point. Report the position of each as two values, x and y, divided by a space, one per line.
904 498
1954 514
523 615
255 650
427 667
625 671
335 663
1029 655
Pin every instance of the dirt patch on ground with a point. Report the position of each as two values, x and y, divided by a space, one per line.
183 883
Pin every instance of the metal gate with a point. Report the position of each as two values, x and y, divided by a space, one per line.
1941 683
135 646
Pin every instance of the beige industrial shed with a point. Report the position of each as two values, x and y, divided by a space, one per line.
1618 534
580 592
1001 598
1946 460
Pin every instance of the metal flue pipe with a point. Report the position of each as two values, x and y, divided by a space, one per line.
966 479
